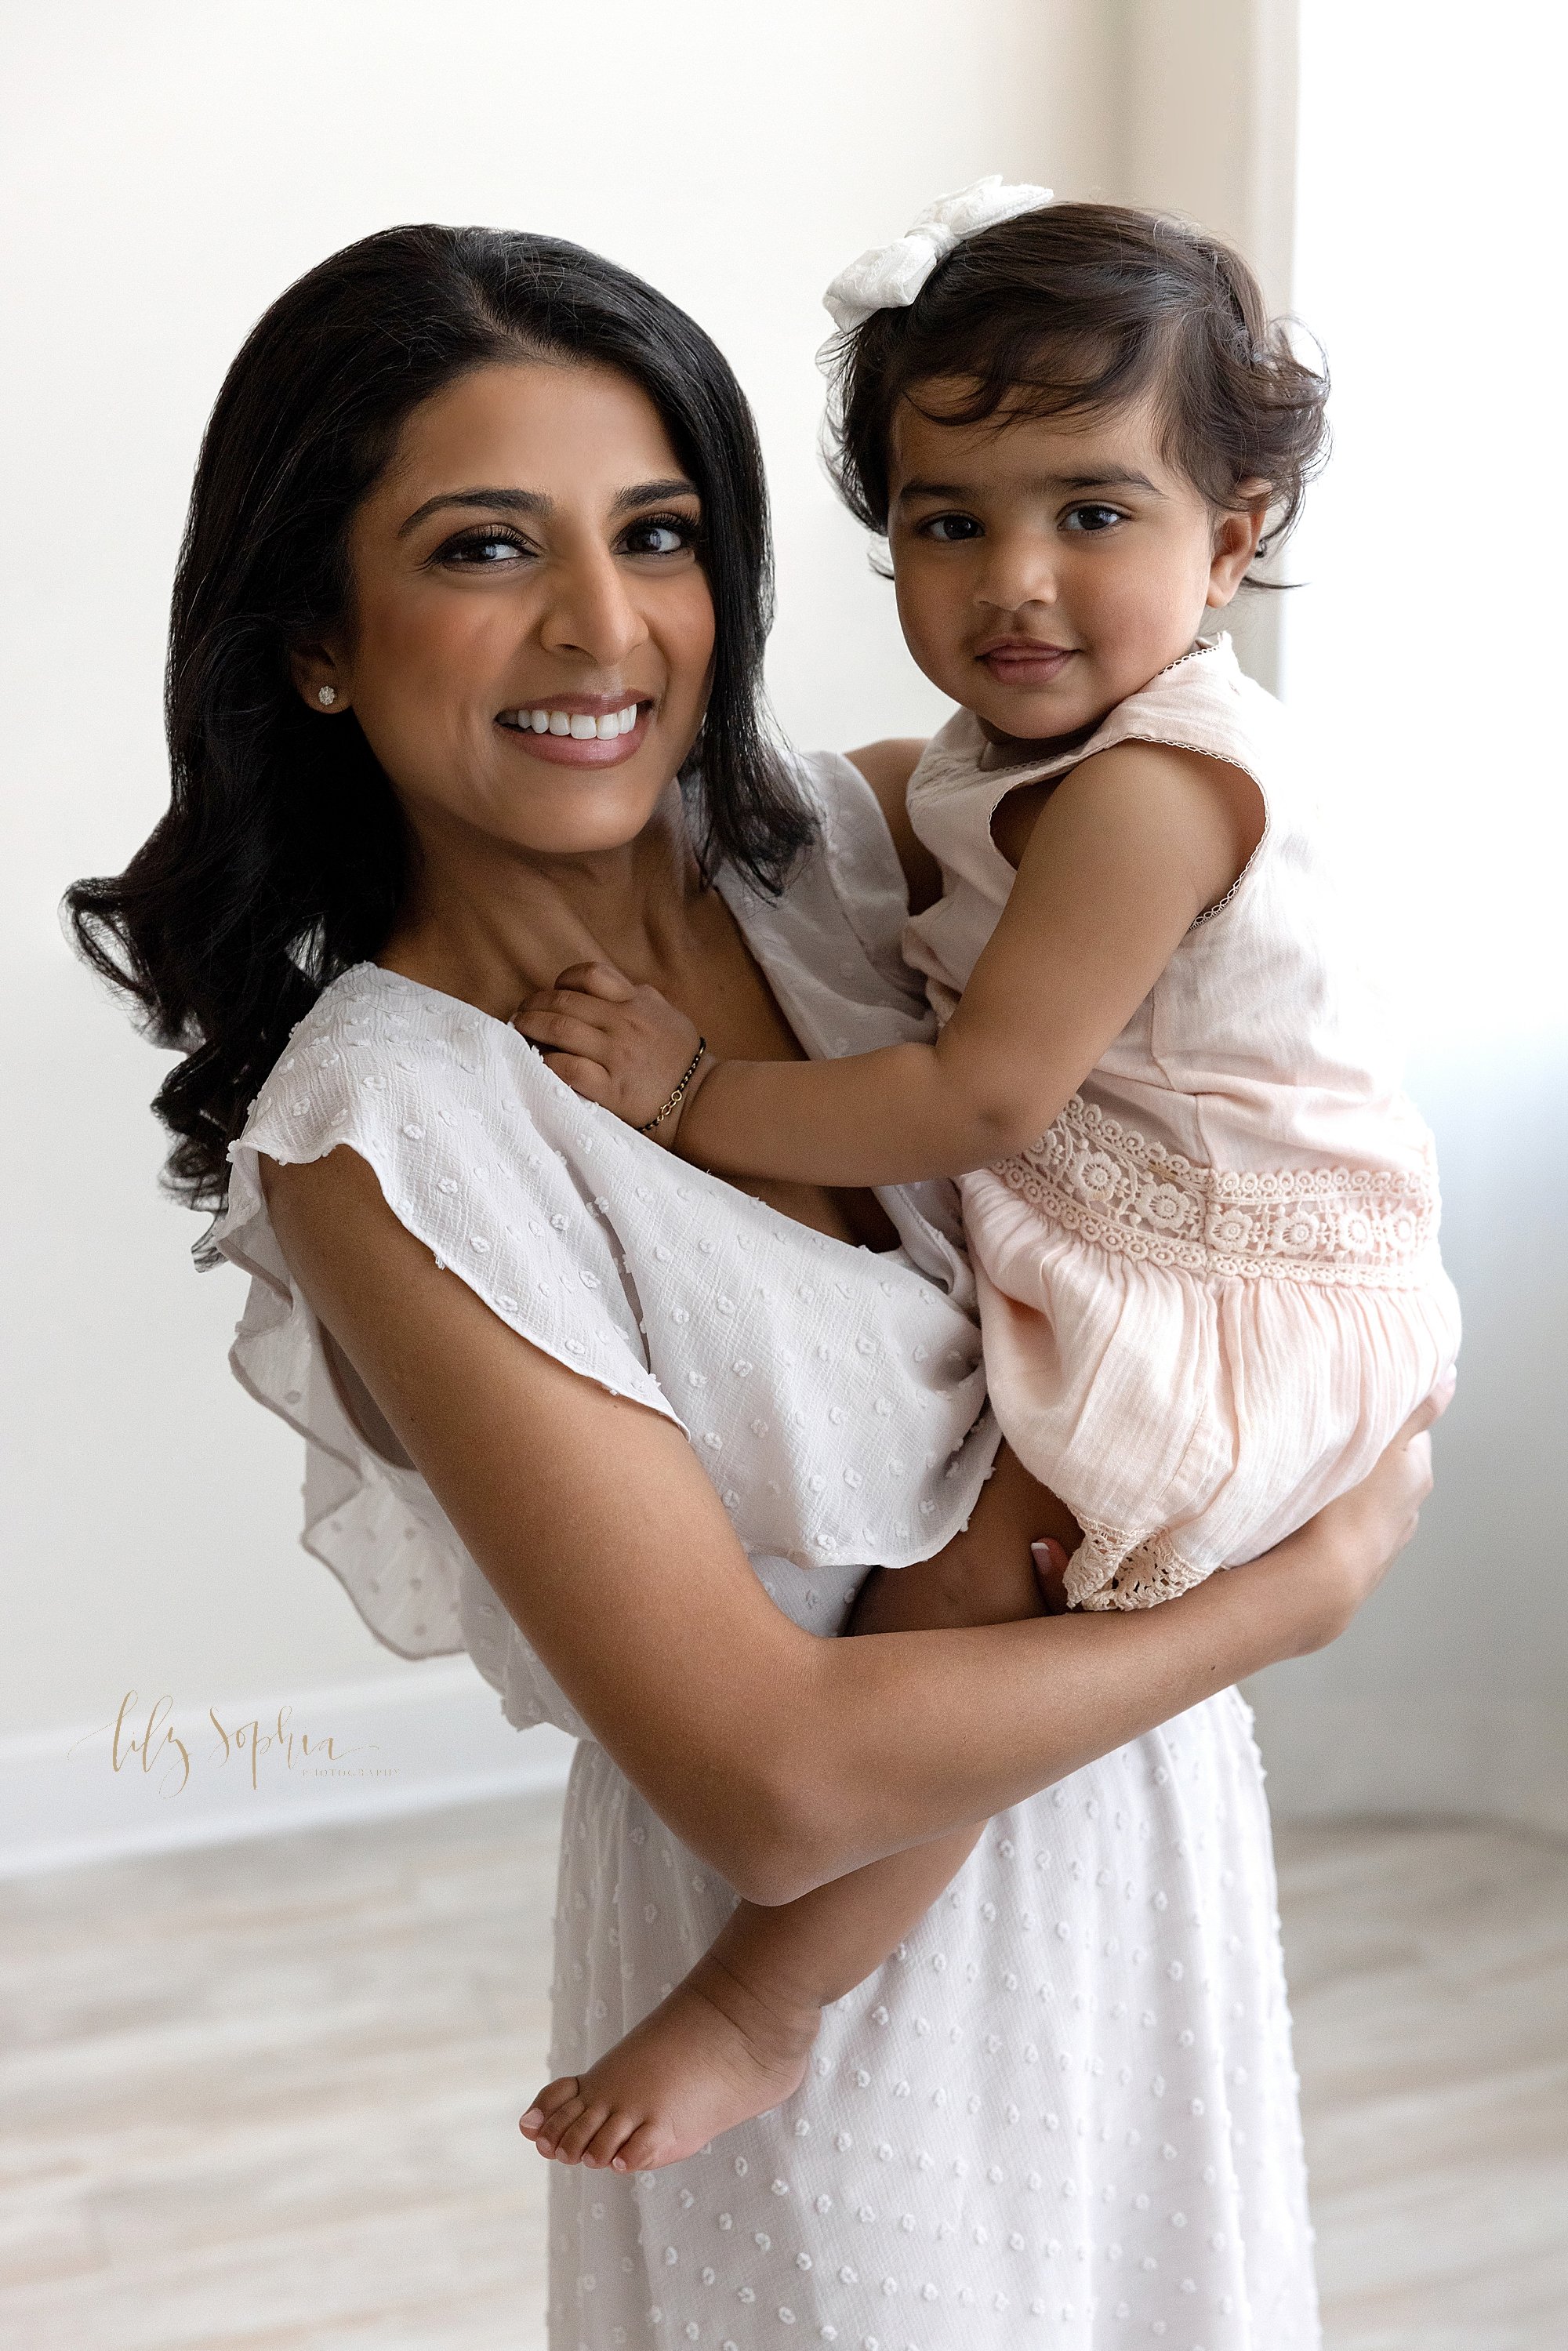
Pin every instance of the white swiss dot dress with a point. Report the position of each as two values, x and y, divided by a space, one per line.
1064 2114
1211 1292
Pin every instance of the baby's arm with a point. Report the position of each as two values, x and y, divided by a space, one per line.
1120 860
732 2040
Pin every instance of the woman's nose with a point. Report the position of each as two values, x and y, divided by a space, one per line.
590 611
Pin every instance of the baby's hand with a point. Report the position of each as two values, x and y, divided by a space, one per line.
623 1047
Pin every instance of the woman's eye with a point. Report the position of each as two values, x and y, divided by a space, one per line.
477 550
948 529
662 535
1095 518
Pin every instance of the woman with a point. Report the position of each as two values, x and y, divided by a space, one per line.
462 688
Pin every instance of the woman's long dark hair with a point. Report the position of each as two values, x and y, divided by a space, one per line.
282 858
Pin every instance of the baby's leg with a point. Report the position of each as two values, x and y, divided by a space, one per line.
732 2040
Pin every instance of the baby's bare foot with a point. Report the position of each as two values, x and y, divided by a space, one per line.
712 2055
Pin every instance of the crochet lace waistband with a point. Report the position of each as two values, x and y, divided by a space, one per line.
1370 1228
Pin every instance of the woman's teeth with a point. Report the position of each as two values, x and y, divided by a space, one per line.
576 723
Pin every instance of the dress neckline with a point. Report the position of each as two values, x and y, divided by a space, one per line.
596 1113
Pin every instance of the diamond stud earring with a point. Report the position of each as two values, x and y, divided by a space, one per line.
326 696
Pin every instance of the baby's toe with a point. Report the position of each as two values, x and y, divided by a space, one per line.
648 2147
573 2141
610 2138
548 2103
559 2123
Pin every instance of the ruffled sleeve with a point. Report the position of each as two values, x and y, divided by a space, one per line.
411 1080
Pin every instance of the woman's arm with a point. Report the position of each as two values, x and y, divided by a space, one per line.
783 1759
1119 861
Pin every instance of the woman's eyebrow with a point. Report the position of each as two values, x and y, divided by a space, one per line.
649 493
529 502
533 502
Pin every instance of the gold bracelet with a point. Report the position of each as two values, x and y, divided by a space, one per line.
648 1124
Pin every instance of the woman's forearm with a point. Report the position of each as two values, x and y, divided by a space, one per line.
784 1758
787 1759
854 1749
1020 1705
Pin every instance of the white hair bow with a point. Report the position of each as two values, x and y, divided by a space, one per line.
889 277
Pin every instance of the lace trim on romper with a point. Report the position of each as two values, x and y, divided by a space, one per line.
1359 1227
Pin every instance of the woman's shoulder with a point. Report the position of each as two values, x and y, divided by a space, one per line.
848 803
480 1152
850 892
365 1025
397 1070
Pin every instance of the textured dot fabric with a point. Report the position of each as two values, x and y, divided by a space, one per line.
1063 2113
1211 1292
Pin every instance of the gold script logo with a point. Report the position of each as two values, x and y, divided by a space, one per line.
150 1743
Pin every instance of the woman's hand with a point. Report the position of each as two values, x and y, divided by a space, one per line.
622 1046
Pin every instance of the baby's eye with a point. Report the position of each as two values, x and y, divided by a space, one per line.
479 550
1093 518
949 527
661 534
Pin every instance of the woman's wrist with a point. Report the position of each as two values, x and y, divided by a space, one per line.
1307 1590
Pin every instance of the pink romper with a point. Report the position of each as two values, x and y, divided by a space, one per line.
1211 1292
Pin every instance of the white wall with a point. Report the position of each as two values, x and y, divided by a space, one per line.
1202 120
1426 655
167 169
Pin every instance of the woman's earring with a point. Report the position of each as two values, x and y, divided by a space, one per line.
326 696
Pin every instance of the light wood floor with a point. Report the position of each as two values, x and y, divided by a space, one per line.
265 2098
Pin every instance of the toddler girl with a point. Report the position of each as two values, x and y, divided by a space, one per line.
1202 1215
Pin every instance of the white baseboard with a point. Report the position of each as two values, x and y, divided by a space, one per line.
1360 1752
436 1736
363 1750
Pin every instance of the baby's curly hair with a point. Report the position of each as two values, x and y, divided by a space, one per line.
1075 309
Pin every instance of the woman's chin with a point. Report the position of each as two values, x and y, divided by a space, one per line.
582 813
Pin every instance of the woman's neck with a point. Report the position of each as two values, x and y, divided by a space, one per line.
488 923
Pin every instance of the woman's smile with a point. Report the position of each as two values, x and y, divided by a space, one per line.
581 730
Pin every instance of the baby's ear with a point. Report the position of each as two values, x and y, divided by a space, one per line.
1237 533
